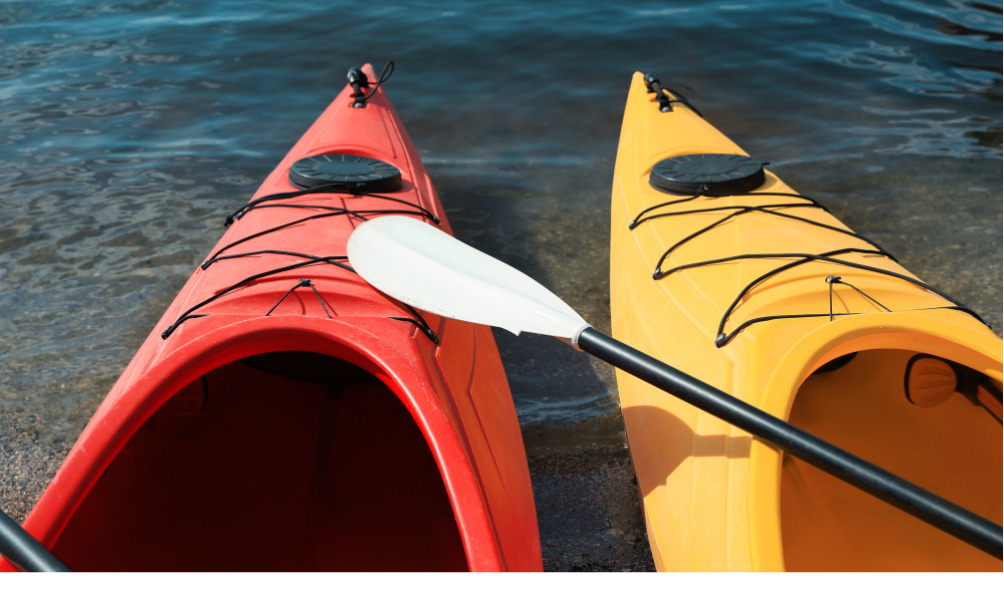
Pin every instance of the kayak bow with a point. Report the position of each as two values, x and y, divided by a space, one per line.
284 415
726 273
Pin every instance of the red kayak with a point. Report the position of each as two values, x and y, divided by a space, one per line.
286 416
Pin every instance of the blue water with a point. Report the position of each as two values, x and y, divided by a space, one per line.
128 128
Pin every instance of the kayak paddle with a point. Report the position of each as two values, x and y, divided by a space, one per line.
430 270
24 551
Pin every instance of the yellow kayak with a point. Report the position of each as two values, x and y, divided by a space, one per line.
723 271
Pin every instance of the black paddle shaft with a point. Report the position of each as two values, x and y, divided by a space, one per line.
961 523
24 551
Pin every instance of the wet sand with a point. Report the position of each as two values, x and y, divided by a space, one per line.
588 510
28 463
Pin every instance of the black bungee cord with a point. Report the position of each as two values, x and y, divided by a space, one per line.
359 82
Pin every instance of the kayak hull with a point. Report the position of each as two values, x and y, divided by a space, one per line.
302 420
690 285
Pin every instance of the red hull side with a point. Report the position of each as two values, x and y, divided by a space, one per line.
327 434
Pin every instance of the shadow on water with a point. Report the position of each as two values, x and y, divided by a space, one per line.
550 380
542 223
548 220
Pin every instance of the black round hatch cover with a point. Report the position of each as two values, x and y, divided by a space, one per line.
708 174
358 172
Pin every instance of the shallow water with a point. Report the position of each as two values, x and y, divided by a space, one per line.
128 128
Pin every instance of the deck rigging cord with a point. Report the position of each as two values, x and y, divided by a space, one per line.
415 319
314 177
327 188
706 191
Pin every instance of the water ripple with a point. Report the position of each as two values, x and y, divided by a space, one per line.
127 128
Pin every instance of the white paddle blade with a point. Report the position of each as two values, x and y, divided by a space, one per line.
420 265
